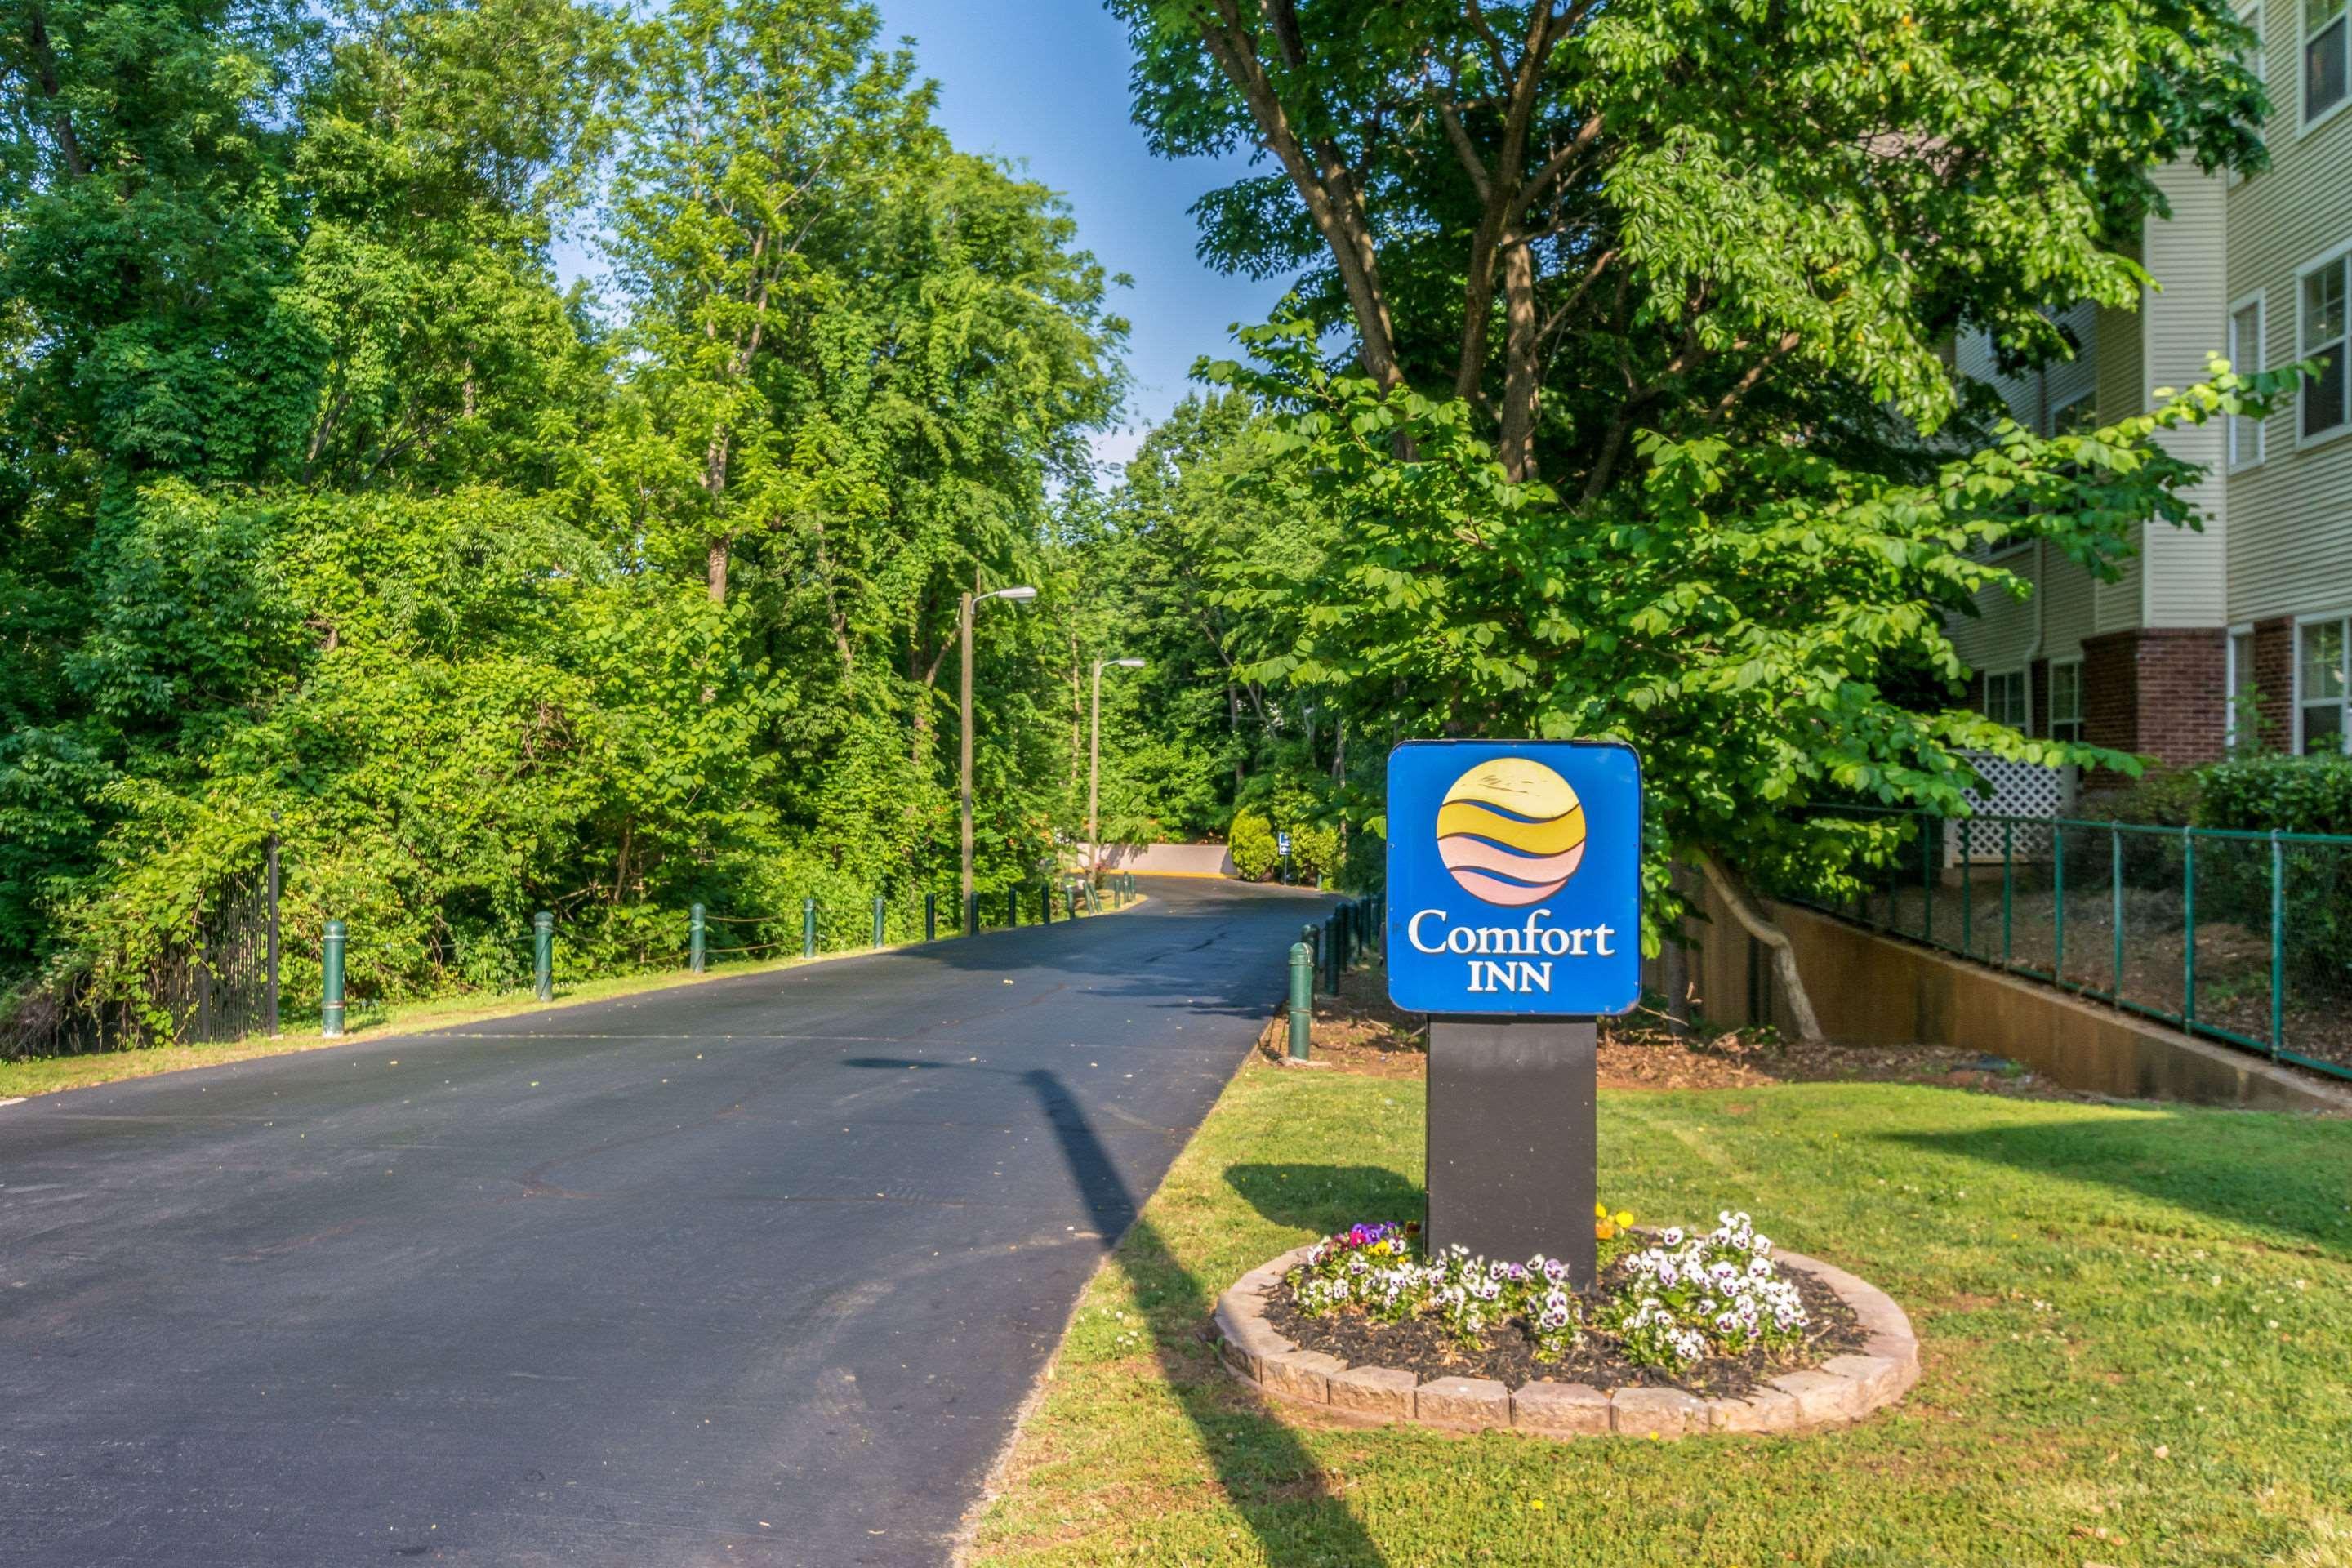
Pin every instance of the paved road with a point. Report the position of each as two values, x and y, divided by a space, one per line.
754 1271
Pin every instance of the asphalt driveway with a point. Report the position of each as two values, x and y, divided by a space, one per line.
752 1271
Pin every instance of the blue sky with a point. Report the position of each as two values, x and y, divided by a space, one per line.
1044 82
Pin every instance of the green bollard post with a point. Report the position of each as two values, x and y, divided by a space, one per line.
331 975
930 917
542 956
1072 890
1331 953
1302 999
879 911
1013 907
1045 904
808 926
694 939
971 914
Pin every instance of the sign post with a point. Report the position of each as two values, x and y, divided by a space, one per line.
1513 922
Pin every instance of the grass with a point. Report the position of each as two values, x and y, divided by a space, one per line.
29 1076
2133 1323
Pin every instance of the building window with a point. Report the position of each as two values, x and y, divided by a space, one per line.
2246 357
2242 722
2066 700
2006 702
2076 416
2250 18
2324 35
2320 684
2324 289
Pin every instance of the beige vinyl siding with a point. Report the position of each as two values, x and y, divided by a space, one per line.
2184 322
2290 541
2001 636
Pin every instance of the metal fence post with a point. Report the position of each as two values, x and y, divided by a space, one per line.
880 910
2007 901
1926 886
930 917
1968 865
273 932
2278 942
2115 886
808 926
694 939
1302 999
2189 936
2058 903
330 981
1070 892
1312 935
542 956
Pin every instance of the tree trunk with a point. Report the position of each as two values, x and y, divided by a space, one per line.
1745 909
720 544
1522 379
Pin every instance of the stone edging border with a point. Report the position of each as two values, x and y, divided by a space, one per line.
1840 1392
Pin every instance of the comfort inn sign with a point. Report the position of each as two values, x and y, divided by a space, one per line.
1515 878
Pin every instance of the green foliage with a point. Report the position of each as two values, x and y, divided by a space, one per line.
1736 621
1189 736
2171 798
1314 851
2291 794
1256 851
324 511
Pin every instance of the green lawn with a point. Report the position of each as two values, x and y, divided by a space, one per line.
2135 1320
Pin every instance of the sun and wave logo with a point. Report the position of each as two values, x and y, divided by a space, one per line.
1511 831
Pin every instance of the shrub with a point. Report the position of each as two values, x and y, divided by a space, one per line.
2172 799
2291 794
1255 852
1314 851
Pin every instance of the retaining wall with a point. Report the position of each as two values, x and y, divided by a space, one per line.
1876 990
1170 859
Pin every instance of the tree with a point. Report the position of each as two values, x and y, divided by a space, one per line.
1665 213
1681 274
1736 621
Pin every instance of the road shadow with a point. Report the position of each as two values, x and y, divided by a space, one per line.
2257 1172
1261 1466
1182 917
1327 1198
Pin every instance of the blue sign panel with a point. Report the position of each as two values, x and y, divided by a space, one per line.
1515 878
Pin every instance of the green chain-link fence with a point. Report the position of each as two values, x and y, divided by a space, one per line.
2241 937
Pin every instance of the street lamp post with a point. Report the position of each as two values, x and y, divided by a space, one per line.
1094 767
963 630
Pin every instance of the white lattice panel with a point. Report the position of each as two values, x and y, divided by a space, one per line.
2011 789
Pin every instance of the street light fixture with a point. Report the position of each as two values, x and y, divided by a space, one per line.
1093 766
963 628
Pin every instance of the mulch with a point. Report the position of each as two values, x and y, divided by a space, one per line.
1422 1347
1358 1033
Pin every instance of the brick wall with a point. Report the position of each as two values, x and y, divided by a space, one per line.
2162 692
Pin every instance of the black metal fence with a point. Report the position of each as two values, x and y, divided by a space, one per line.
219 983
2244 938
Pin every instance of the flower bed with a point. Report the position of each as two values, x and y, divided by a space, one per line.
1682 1332
1710 1313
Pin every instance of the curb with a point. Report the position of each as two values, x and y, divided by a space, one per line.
1840 1392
